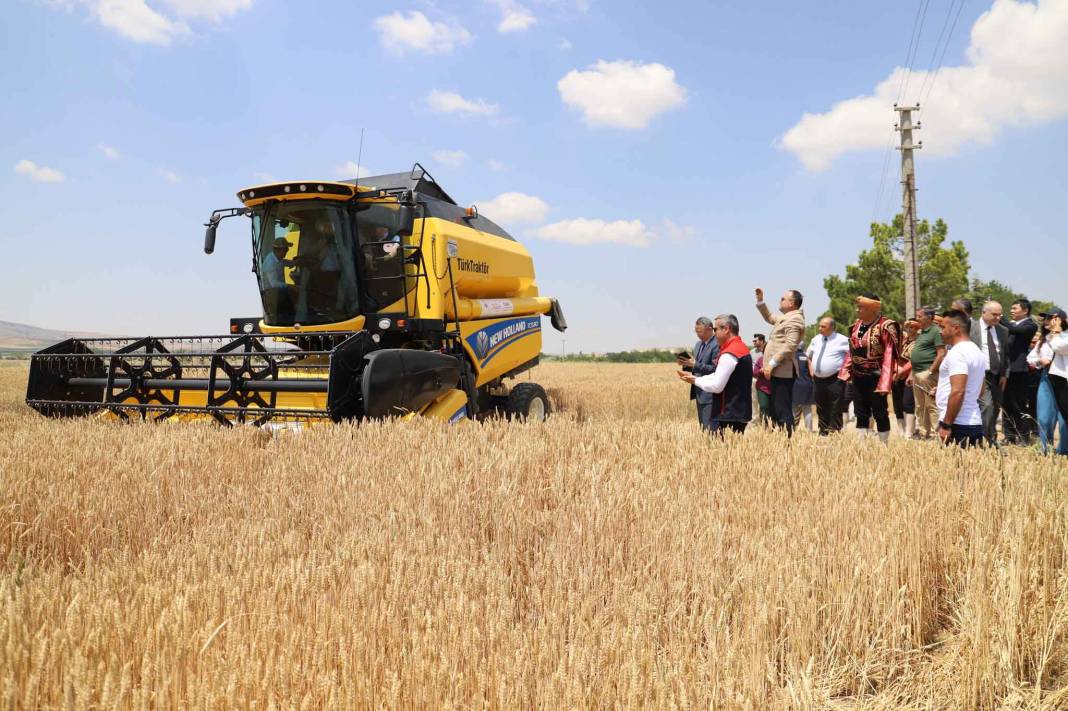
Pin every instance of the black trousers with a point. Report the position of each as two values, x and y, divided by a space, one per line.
1017 422
1060 394
718 427
782 403
904 401
966 435
868 404
828 395
1034 377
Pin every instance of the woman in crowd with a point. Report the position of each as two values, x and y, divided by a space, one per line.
1042 358
763 389
904 402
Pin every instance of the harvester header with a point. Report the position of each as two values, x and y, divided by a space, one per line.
381 297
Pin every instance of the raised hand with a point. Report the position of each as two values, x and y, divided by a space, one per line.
759 295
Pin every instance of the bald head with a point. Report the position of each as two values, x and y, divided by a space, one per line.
992 312
827 326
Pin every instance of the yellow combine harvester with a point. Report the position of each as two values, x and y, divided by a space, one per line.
382 297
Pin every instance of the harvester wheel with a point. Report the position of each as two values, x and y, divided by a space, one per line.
527 401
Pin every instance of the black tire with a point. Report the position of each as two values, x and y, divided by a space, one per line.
527 401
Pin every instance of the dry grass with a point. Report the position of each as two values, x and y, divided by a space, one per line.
614 557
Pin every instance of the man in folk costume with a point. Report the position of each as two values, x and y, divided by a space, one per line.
731 384
870 364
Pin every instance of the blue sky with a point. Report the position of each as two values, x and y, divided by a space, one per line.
652 156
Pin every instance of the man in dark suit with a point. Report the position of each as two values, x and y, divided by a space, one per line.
1017 415
993 342
702 362
974 332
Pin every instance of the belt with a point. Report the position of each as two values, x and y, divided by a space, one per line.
829 377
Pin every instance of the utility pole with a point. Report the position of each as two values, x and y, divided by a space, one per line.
908 204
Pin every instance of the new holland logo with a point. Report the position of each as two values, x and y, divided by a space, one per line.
487 342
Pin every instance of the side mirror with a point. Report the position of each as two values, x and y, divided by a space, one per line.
406 220
213 224
209 237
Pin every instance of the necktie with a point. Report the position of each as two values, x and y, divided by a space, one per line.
700 350
995 362
819 358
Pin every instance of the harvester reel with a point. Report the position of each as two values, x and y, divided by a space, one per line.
139 367
249 368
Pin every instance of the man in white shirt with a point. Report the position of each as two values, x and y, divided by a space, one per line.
732 382
960 382
826 355
993 337
277 300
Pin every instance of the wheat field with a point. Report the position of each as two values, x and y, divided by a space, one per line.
614 557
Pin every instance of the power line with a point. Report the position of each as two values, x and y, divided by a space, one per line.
910 57
908 52
882 180
915 49
944 48
937 44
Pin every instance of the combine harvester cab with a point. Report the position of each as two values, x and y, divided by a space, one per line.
382 298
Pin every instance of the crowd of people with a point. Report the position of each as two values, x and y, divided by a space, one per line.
947 376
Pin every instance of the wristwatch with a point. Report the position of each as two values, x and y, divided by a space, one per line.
944 425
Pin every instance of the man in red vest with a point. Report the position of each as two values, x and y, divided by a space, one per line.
731 384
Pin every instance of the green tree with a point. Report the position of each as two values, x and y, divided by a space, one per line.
881 270
994 290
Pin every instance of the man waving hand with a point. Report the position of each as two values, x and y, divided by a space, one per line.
788 330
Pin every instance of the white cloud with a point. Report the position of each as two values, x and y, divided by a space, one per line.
582 231
413 31
1015 75
449 102
39 173
169 175
453 159
212 10
677 233
347 170
110 152
135 20
622 94
495 165
514 208
514 16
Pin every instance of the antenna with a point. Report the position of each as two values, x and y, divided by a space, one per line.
359 157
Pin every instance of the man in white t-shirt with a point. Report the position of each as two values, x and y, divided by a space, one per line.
960 382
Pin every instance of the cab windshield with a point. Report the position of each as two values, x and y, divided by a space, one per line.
382 253
306 263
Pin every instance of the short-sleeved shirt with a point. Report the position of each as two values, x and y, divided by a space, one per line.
925 349
965 358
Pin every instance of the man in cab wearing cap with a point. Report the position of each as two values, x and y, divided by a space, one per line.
277 301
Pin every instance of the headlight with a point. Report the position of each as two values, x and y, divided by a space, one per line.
384 323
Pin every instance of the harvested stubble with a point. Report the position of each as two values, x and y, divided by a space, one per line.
614 557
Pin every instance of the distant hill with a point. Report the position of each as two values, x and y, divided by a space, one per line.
20 336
